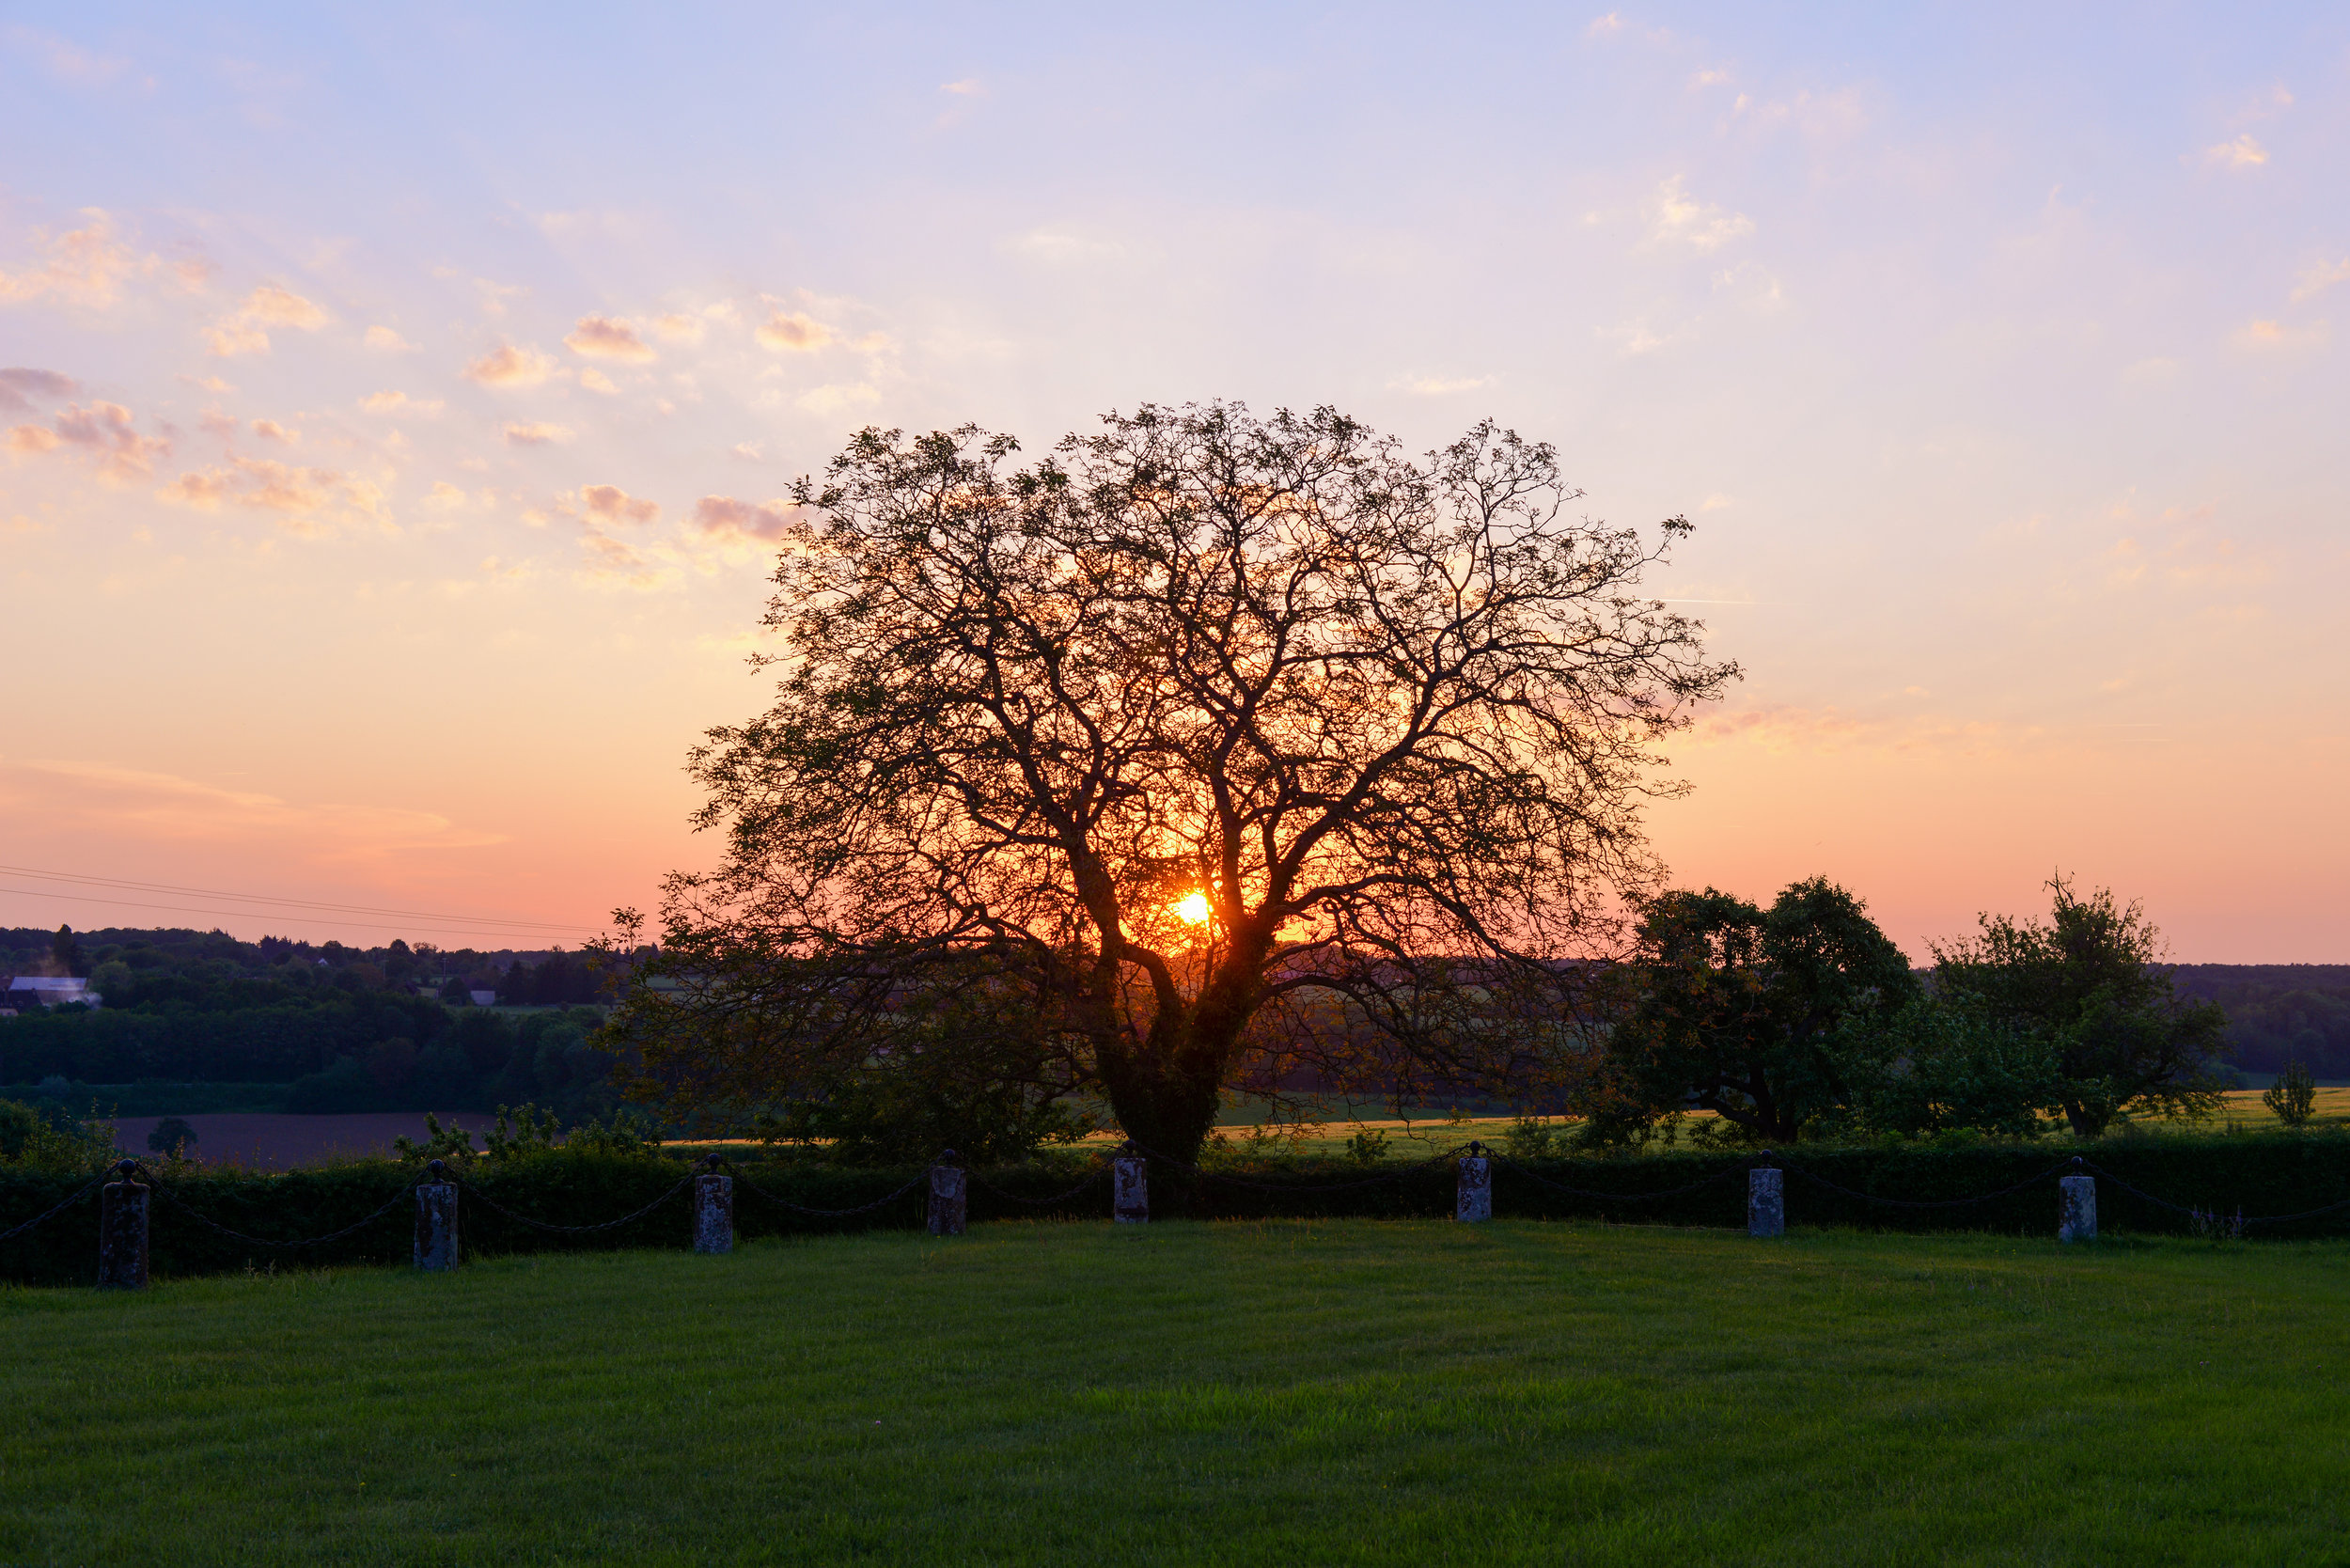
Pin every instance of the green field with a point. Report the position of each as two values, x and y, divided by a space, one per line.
1278 1392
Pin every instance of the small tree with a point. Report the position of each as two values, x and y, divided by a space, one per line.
172 1135
2089 986
1207 742
2293 1098
1752 1014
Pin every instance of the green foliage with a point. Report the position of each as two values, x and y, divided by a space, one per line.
1529 1138
1753 1014
45 1137
1930 1068
2292 1097
1366 1145
2088 986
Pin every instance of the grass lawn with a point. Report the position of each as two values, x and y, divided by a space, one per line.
1280 1392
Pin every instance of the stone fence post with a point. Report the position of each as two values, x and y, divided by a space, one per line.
951 1190
122 1231
437 1222
1766 1201
1473 1185
2076 1209
1130 1187
713 1211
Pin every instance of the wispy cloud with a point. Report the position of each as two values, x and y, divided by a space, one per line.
2316 280
537 434
106 434
1676 218
267 307
1438 386
386 340
609 503
400 403
304 500
2242 154
84 268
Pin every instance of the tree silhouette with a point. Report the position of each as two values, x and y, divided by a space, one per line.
1208 740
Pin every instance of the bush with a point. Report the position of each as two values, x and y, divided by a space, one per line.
2294 1096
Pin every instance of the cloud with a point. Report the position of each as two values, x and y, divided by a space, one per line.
793 332
609 503
748 451
400 403
596 381
678 329
86 268
270 430
1437 386
444 496
2280 336
728 521
613 563
607 337
535 434
1709 79
2241 153
1604 27
304 500
1675 218
247 331
969 87
127 803
383 337
105 432
2313 282
21 385
508 366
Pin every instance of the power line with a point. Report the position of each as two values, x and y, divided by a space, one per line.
478 923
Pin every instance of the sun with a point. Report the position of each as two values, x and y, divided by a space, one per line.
1193 910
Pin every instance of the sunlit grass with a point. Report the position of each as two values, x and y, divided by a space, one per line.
1278 1392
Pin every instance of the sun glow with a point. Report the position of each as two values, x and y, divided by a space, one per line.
1193 910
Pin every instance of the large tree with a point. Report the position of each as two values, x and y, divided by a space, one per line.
2088 986
1207 739
1768 1017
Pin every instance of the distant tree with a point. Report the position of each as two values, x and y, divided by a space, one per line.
2089 985
2293 1098
455 992
1213 740
65 951
171 1136
1769 1018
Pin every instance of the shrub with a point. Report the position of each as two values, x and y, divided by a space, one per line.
2293 1096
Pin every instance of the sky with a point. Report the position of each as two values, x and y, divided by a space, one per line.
394 399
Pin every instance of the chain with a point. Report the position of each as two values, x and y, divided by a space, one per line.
497 1208
1099 1171
833 1214
85 1191
1382 1178
173 1198
1932 1202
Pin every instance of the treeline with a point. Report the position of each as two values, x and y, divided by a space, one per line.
340 1028
2279 1013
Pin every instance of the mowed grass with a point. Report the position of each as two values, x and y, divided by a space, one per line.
1276 1392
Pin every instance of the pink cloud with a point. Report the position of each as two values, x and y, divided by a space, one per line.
793 332
19 387
508 366
303 499
607 337
105 432
247 331
537 434
723 518
609 503
85 267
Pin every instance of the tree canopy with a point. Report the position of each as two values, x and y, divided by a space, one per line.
1205 738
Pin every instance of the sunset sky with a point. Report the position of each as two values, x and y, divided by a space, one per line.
395 397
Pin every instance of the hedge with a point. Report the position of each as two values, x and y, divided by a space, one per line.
2262 1174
